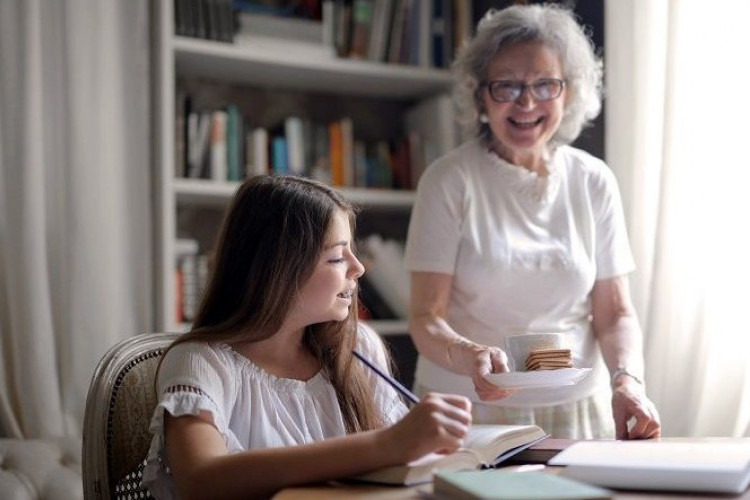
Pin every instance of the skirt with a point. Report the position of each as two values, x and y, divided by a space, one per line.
588 418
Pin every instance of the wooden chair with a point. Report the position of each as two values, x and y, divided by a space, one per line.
119 406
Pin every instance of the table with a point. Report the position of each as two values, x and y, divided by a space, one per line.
342 491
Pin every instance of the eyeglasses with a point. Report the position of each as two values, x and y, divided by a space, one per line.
544 89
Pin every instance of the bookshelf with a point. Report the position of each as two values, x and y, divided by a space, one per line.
189 207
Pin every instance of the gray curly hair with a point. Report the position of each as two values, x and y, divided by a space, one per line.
554 26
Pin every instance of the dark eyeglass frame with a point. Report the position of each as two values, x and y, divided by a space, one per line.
517 88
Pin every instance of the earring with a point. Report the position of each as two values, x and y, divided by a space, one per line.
483 118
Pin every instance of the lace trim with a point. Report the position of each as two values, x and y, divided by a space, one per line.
542 190
181 388
185 388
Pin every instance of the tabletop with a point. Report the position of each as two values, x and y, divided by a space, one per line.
336 491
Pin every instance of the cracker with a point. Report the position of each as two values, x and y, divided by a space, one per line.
550 352
549 365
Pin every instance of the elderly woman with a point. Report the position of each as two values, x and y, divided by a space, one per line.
517 232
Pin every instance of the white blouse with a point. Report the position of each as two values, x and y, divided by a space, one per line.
251 408
524 252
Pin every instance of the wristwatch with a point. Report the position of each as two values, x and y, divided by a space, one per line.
623 371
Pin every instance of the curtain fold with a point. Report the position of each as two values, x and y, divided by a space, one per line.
75 181
675 133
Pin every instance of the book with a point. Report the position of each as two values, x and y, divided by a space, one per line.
485 446
279 156
295 143
199 127
347 151
381 25
218 146
256 157
343 27
710 465
442 33
234 143
398 31
362 20
182 104
423 36
542 452
502 485
307 31
335 153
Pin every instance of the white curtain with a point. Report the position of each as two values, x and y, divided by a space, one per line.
75 229
677 135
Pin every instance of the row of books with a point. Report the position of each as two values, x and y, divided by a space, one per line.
191 276
221 145
208 19
383 290
423 33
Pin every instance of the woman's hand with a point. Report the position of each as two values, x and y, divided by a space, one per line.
489 360
629 401
438 423
479 361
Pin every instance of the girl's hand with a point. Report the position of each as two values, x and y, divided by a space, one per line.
438 423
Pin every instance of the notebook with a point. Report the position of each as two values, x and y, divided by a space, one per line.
715 465
500 485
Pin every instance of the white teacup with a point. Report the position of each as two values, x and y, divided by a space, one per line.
518 347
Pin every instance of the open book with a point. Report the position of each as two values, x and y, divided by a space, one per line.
716 465
485 446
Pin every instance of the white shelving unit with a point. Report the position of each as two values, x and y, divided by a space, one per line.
268 68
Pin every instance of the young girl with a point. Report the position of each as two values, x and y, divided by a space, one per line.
264 392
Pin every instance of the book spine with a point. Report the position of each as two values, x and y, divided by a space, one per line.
335 153
293 131
347 151
362 20
343 26
180 135
329 23
279 158
424 34
321 163
258 154
199 128
219 146
233 142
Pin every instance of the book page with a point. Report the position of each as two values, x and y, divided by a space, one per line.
489 441
481 446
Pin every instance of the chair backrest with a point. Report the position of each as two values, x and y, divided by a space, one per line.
119 406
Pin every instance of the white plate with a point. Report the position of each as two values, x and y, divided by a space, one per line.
539 378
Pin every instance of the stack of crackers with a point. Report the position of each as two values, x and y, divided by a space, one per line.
549 359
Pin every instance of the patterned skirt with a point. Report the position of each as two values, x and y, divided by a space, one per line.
588 418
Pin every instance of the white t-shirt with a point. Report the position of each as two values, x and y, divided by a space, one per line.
524 252
251 408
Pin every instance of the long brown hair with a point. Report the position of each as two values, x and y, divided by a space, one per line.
268 247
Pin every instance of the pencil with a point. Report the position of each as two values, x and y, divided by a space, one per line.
392 381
